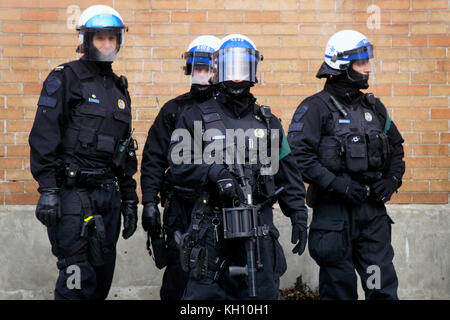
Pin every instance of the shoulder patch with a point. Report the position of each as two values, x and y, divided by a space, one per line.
47 101
300 113
295 127
52 85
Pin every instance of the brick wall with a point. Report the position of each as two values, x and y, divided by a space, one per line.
411 48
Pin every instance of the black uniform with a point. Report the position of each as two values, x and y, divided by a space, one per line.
83 117
342 133
176 200
209 259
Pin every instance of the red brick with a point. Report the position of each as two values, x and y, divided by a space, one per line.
430 174
440 113
435 4
429 77
39 15
440 186
440 162
11 187
400 198
225 16
22 27
265 17
21 198
431 198
430 150
439 41
18 3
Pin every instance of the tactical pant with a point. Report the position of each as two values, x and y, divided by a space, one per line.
233 252
343 238
78 278
176 217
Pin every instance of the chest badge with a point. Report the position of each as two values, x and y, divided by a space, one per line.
121 104
259 133
368 116
93 99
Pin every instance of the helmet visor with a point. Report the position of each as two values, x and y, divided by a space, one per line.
199 67
236 64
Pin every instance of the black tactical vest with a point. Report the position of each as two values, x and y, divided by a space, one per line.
353 140
253 126
101 119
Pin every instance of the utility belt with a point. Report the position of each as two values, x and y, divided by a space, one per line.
184 194
354 153
88 177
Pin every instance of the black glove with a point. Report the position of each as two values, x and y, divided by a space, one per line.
151 218
47 210
383 189
129 212
350 189
226 184
299 234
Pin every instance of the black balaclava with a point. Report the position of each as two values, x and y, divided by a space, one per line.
237 96
201 92
347 85
358 80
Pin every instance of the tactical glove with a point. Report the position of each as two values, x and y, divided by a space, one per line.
383 189
350 189
299 234
227 186
47 210
151 218
129 212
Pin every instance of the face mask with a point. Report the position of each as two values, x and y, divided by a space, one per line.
356 79
201 92
237 89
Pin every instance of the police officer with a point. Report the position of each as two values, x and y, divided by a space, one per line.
350 153
156 178
231 249
82 156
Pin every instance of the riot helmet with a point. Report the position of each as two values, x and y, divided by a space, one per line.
346 51
198 58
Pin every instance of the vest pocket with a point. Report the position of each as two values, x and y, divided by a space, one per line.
374 151
330 153
105 143
356 153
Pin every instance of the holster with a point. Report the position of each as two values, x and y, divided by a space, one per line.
311 195
159 250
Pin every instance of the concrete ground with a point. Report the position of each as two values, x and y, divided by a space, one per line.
421 235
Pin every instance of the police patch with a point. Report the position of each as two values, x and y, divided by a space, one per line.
368 116
52 85
259 133
121 104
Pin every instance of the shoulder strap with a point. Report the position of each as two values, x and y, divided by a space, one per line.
79 69
211 118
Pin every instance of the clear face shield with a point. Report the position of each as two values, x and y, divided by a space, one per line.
236 64
101 44
199 67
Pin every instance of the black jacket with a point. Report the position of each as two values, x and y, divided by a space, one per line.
309 125
60 99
